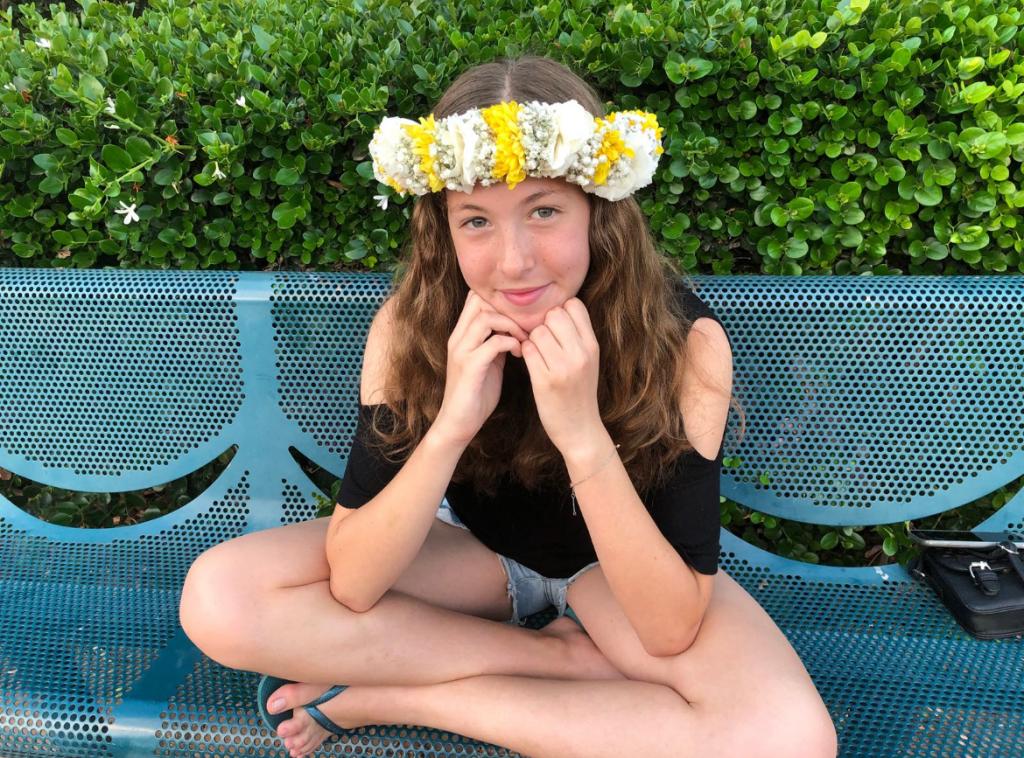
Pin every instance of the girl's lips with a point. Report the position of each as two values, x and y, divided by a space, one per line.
524 298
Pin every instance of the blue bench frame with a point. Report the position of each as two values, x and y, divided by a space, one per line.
865 402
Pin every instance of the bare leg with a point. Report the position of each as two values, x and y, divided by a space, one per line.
303 634
534 717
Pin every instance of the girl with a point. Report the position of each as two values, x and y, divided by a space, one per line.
541 372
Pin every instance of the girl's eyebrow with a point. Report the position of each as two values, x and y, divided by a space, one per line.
526 201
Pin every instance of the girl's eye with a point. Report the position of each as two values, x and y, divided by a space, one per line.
470 222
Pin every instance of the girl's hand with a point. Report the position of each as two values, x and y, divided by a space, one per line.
562 356
476 363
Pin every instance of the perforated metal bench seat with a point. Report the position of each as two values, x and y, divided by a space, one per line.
867 401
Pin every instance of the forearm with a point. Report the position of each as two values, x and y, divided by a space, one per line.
652 583
370 548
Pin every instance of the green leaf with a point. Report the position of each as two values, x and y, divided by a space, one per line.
45 161
116 159
851 236
286 215
800 208
287 177
978 92
67 137
51 185
970 67
165 176
124 106
850 191
889 546
137 148
263 39
928 195
90 88
1015 134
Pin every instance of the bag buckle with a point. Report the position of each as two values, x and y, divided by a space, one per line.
986 579
981 565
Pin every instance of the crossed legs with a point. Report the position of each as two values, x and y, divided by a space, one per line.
433 652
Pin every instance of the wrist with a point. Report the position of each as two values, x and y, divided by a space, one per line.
583 458
438 436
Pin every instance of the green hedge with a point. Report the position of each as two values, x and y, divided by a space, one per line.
843 138
800 138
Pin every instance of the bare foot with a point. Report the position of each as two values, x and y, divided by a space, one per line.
591 662
301 733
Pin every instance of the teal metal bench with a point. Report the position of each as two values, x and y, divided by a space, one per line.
867 400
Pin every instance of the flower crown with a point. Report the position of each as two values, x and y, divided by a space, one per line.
611 157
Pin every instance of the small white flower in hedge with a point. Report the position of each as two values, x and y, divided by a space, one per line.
43 42
110 106
112 126
128 211
240 101
10 86
382 201
217 173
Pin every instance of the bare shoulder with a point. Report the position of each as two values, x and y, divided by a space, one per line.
376 355
707 386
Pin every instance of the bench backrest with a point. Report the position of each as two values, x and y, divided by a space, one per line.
867 400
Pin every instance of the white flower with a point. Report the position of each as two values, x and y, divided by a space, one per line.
110 109
128 211
112 126
573 125
43 42
382 201
630 174
389 149
10 86
240 101
217 173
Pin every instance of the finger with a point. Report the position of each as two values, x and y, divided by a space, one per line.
513 328
496 345
563 328
470 310
486 323
581 318
534 362
550 351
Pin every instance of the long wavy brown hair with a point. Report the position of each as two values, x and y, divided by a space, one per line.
630 291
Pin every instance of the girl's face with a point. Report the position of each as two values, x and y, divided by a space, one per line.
533 236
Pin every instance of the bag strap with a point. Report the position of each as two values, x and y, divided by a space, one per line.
1013 553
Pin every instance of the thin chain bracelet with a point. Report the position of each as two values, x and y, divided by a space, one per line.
572 485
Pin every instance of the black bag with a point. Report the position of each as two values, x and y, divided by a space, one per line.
983 588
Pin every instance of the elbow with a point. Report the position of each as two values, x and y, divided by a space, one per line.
342 596
668 646
355 605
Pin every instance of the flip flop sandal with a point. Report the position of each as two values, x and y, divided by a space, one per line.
270 684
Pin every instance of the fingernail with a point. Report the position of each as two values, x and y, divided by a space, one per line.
275 705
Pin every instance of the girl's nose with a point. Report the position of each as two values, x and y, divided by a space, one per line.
517 253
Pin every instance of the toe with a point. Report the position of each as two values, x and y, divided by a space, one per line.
285 692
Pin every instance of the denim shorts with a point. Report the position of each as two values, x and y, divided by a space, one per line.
530 592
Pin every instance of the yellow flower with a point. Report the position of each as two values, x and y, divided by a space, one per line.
650 122
422 135
612 147
509 159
